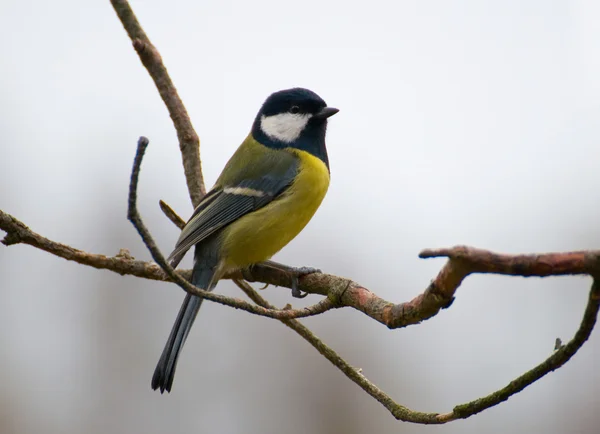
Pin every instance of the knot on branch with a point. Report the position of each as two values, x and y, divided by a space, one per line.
146 50
337 290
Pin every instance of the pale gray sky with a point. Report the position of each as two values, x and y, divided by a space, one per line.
464 122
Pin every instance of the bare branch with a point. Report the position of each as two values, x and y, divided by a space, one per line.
463 411
540 265
440 292
342 291
398 411
189 143
475 260
18 233
555 361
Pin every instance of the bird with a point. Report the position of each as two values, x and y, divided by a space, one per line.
268 191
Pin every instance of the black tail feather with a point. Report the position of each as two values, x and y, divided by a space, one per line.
165 369
202 277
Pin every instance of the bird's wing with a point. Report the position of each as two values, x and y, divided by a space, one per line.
229 201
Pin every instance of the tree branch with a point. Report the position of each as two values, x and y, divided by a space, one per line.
189 143
123 263
468 260
555 361
398 411
462 261
463 411
341 291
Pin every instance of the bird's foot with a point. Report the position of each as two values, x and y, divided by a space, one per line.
296 273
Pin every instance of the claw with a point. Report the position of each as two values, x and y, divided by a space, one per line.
296 293
296 273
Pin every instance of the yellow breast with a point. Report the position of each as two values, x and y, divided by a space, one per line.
259 235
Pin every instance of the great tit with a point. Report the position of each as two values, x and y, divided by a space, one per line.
267 193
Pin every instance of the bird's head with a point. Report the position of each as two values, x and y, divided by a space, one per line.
294 118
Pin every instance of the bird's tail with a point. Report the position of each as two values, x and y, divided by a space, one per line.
165 369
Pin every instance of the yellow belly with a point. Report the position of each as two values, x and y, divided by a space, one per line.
259 235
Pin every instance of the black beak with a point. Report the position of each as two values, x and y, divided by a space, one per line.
325 112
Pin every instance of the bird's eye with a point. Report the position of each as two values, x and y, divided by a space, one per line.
295 109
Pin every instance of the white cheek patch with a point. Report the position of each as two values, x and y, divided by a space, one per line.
285 127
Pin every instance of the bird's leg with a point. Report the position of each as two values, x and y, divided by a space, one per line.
295 273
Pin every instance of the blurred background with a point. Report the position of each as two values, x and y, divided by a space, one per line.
466 122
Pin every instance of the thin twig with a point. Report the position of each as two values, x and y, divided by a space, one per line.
189 143
18 233
400 412
134 216
171 214
555 361
463 411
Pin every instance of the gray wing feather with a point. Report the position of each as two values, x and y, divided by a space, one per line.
219 208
